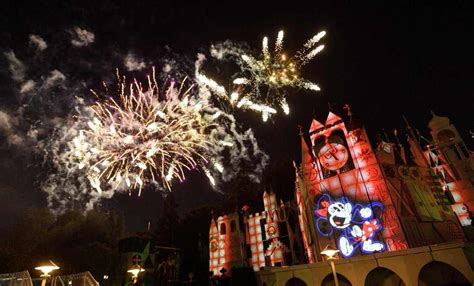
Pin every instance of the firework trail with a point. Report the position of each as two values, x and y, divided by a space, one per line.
262 83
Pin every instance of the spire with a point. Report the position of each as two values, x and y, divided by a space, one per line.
415 148
213 227
332 118
315 125
349 112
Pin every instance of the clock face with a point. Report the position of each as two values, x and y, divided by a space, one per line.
333 156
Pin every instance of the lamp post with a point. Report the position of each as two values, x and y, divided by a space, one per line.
46 267
330 251
135 270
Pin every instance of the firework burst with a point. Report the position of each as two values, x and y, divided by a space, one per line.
146 135
264 79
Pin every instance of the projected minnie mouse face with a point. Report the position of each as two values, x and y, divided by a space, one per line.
340 215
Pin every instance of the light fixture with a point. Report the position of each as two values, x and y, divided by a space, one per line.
47 267
135 270
329 251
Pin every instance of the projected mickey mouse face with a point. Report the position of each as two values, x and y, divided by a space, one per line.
340 214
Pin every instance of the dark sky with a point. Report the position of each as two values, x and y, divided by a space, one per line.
384 59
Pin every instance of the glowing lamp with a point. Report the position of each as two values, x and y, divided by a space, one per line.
135 270
329 251
47 267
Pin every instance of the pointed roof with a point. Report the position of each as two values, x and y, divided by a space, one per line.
332 118
315 125
438 122
418 157
213 227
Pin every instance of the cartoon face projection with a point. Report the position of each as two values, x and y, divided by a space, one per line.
355 223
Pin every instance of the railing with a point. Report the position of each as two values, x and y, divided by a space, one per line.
24 279
79 279
16 279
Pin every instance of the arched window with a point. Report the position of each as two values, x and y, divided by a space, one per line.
329 280
383 276
295 282
223 230
232 226
438 273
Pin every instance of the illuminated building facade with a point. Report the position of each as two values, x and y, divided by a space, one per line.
397 214
364 201
348 201
453 165
254 240
226 244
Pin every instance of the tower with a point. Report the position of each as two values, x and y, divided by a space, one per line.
226 244
267 234
345 195
450 159
275 225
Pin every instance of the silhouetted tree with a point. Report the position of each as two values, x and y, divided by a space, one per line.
76 242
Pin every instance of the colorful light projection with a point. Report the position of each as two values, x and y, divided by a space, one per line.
219 250
355 224
255 240
360 179
449 179
275 251
302 220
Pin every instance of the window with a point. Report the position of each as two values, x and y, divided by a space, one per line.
232 226
223 230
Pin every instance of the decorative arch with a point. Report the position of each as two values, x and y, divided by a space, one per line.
329 280
295 282
436 273
383 276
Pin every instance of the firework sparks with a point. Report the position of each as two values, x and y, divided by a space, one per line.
91 152
146 135
263 81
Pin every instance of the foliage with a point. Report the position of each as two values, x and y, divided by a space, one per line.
76 242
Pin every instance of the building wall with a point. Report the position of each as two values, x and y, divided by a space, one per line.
407 264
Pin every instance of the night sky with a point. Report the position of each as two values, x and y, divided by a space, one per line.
384 60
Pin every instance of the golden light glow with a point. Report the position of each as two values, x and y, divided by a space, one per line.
47 268
329 251
135 270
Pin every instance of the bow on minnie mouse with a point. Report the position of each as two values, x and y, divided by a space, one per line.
355 222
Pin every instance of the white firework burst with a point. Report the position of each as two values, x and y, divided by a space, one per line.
264 79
